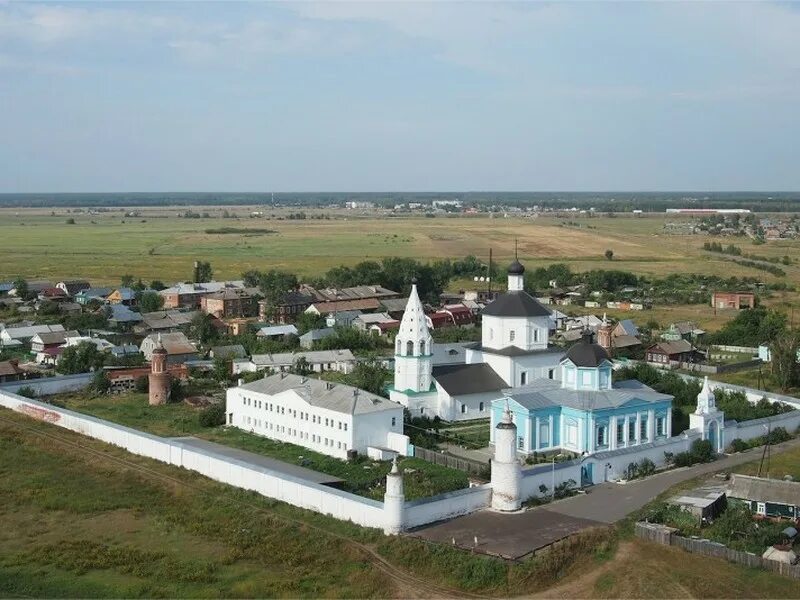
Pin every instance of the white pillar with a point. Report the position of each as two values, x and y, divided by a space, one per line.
552 431
669 423
537 442
638 428
651 424
394 502
612 433
506 472
592 435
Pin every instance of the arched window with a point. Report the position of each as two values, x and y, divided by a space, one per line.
409 348
399 346
422 347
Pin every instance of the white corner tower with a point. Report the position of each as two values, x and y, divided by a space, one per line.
413 349
707 419
393 501
506 471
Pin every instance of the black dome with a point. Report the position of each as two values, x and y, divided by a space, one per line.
516 268
585 353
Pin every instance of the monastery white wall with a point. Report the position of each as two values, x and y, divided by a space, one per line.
544 474
446 506
297 492
747 430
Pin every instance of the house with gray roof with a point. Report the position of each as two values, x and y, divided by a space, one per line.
331 418
314 335
766 497
342 361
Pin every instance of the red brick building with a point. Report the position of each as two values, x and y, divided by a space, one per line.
736 300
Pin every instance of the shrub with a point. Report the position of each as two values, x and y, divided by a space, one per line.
175 391
646 467
100 382
738 445
213 416
27 392
142 384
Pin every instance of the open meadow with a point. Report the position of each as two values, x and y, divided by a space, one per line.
158 243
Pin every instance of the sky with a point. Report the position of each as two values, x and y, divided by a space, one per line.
399 96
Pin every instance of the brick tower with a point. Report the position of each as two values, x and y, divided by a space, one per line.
160 378
605 337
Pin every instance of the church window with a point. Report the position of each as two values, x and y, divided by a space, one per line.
643 430
345 426
463 409
399 346
523 378
586 377
544 434
422 347
660 426
631 429
551 374
521 443
409 348
535 334
480 406
511 335
621 432
601 436
394 421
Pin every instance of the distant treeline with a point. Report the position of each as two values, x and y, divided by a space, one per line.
601 201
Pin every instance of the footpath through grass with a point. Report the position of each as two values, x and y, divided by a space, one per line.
364 477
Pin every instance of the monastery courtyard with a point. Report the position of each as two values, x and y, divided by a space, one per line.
514 536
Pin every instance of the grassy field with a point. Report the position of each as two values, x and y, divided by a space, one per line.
367 478
159 244
785 463
84 519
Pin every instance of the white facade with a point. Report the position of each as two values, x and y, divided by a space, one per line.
413 349
325 417
525 333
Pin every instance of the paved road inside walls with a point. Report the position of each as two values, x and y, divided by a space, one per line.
516 535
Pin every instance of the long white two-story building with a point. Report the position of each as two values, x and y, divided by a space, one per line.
330 418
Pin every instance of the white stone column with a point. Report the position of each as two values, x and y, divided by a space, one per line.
592 435
651 424
394 502
552 431
638 428
612 433
537 442
669 423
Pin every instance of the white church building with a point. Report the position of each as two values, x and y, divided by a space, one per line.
513 351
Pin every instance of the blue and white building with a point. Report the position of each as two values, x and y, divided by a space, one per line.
587 411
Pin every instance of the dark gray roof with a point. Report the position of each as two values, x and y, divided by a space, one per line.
547 393
516 268
586 354
759 489
232 351
516 304
459 380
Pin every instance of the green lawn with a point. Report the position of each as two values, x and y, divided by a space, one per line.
365 477
781 464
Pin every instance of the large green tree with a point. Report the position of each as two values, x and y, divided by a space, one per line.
80 359
151 301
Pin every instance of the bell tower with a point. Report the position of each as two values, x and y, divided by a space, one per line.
413 348
160 379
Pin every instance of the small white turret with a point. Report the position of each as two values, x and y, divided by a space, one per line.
707 419
394 501
506 471
706 401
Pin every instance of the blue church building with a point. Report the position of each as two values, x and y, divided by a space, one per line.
586 411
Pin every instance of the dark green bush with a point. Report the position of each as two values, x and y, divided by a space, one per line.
213 416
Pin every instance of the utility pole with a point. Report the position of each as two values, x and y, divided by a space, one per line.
489 276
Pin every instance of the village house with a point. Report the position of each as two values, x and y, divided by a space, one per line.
52 294
286 310
228 352
87 295
341 361
190 295
361 305
122 316
164 321
10 371
274 332
766 497
664 353
308 339
73 286
733 300
342 318
20 335
123 295
365 321
179 348
682 330
331 418
231 303
460 315
34 287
